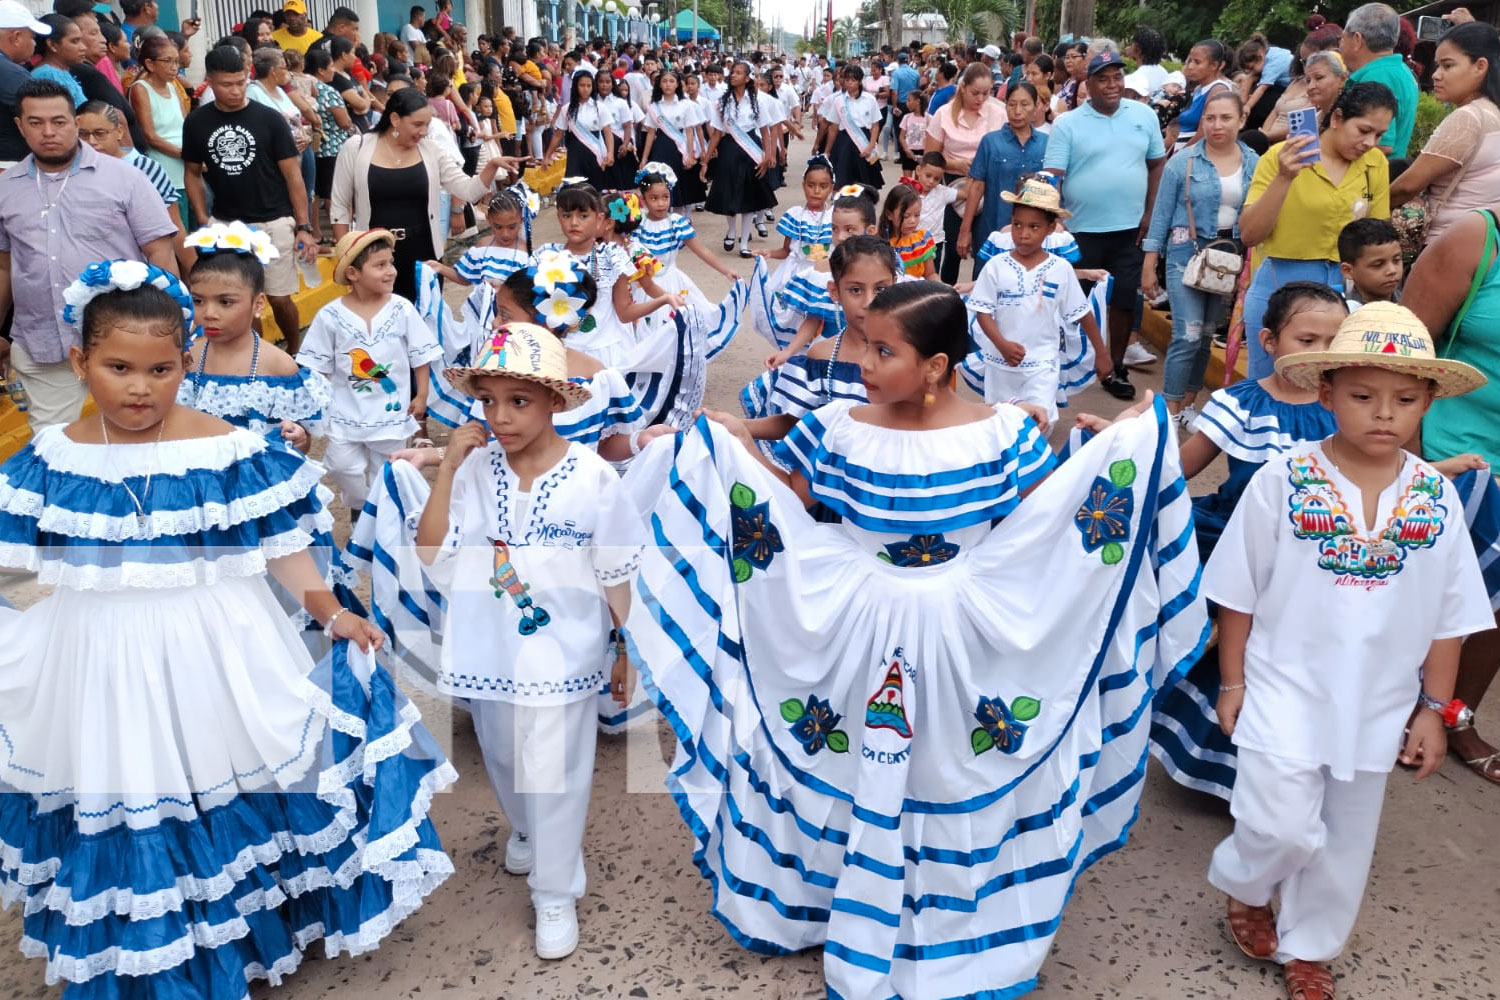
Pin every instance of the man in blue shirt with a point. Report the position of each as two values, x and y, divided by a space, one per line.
1109 154
946 74
905 79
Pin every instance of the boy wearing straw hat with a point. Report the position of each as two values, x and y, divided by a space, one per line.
534 543
1024 299
1346 582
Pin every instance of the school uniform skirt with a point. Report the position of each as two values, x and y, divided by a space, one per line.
583 163
736 189
622 174
850 166
690 189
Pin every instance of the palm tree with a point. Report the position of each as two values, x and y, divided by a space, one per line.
979 19
845 30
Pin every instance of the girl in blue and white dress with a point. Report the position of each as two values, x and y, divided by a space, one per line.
871 759
189 801
807 232
674 138
806 301
609 331
509 215
664 234
236 376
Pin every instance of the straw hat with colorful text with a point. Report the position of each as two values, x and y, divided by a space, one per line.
524 351
1037 193
1382 335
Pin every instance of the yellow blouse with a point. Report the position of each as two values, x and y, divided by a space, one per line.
1316 209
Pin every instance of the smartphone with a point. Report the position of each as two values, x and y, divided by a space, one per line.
193 14
1304 121
1430 29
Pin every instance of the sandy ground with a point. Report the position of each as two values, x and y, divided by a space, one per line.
1143 923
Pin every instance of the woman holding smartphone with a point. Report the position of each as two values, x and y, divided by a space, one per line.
1304 192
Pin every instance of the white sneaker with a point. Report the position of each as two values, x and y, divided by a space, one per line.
1187 419
1136 356
518 854
556 931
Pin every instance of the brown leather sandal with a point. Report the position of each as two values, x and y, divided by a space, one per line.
1253 929
1308 980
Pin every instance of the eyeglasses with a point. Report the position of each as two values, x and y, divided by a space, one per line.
90 136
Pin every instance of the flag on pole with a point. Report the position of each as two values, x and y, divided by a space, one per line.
828 31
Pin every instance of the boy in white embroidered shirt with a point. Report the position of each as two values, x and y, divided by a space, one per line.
534 542
375 349
1346 582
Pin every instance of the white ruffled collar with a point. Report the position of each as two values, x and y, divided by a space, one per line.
114 462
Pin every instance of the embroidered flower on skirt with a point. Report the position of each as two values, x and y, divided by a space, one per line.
919 550
756 540
815 725
1104 518
1002 727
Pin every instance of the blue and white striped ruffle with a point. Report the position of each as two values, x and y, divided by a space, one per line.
805 384
916 888
663 239
202 906
1481 499
479 264
261 403
1060 243
217 507
1249 424
797 227
808 295
768 315
901 503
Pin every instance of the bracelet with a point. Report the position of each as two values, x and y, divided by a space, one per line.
328 625
1231 687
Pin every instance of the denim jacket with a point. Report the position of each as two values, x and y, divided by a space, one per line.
1170 210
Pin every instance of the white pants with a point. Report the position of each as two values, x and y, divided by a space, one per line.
1033 383
541 766
1308 834
56 394
353 466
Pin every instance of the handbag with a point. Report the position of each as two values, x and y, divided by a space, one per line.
1214 269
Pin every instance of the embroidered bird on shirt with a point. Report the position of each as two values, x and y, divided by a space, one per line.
365 374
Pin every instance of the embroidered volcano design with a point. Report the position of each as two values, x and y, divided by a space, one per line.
886 709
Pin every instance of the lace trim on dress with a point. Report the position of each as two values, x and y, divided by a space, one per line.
303 398
193 572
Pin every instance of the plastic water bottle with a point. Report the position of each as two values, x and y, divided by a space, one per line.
16 390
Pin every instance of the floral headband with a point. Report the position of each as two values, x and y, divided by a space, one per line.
235 237
655 169
122 275
819 160
555 278
914 184
851 191
625 207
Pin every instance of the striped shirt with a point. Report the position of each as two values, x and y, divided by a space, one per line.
155 173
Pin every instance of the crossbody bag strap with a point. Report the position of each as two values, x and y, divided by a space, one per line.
1486 261
1187 188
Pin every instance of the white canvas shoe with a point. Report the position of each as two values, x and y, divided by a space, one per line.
518 854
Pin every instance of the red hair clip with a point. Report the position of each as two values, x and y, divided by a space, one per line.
914 184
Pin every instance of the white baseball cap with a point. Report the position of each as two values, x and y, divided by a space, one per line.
993 51
15 15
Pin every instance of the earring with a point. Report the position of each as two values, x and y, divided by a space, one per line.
395 133
928 398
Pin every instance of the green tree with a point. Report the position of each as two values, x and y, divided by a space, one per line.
974 20
1284 22
1181 24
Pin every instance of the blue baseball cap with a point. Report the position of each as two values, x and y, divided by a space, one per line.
1104 61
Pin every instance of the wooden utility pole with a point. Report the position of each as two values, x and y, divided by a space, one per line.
1077 18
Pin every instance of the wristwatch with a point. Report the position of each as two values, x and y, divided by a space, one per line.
304 228
1455 714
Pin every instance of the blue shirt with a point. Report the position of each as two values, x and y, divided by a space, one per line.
940 97
1104 162
1000 161
904 80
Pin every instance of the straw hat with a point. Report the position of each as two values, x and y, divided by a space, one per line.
353 244
1037 193
1382 335
524 351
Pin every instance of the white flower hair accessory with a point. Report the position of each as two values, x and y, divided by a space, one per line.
531 202
235 237
555 278
121 275
661 170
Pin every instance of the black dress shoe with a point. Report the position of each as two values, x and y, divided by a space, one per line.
1118 385
745 253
